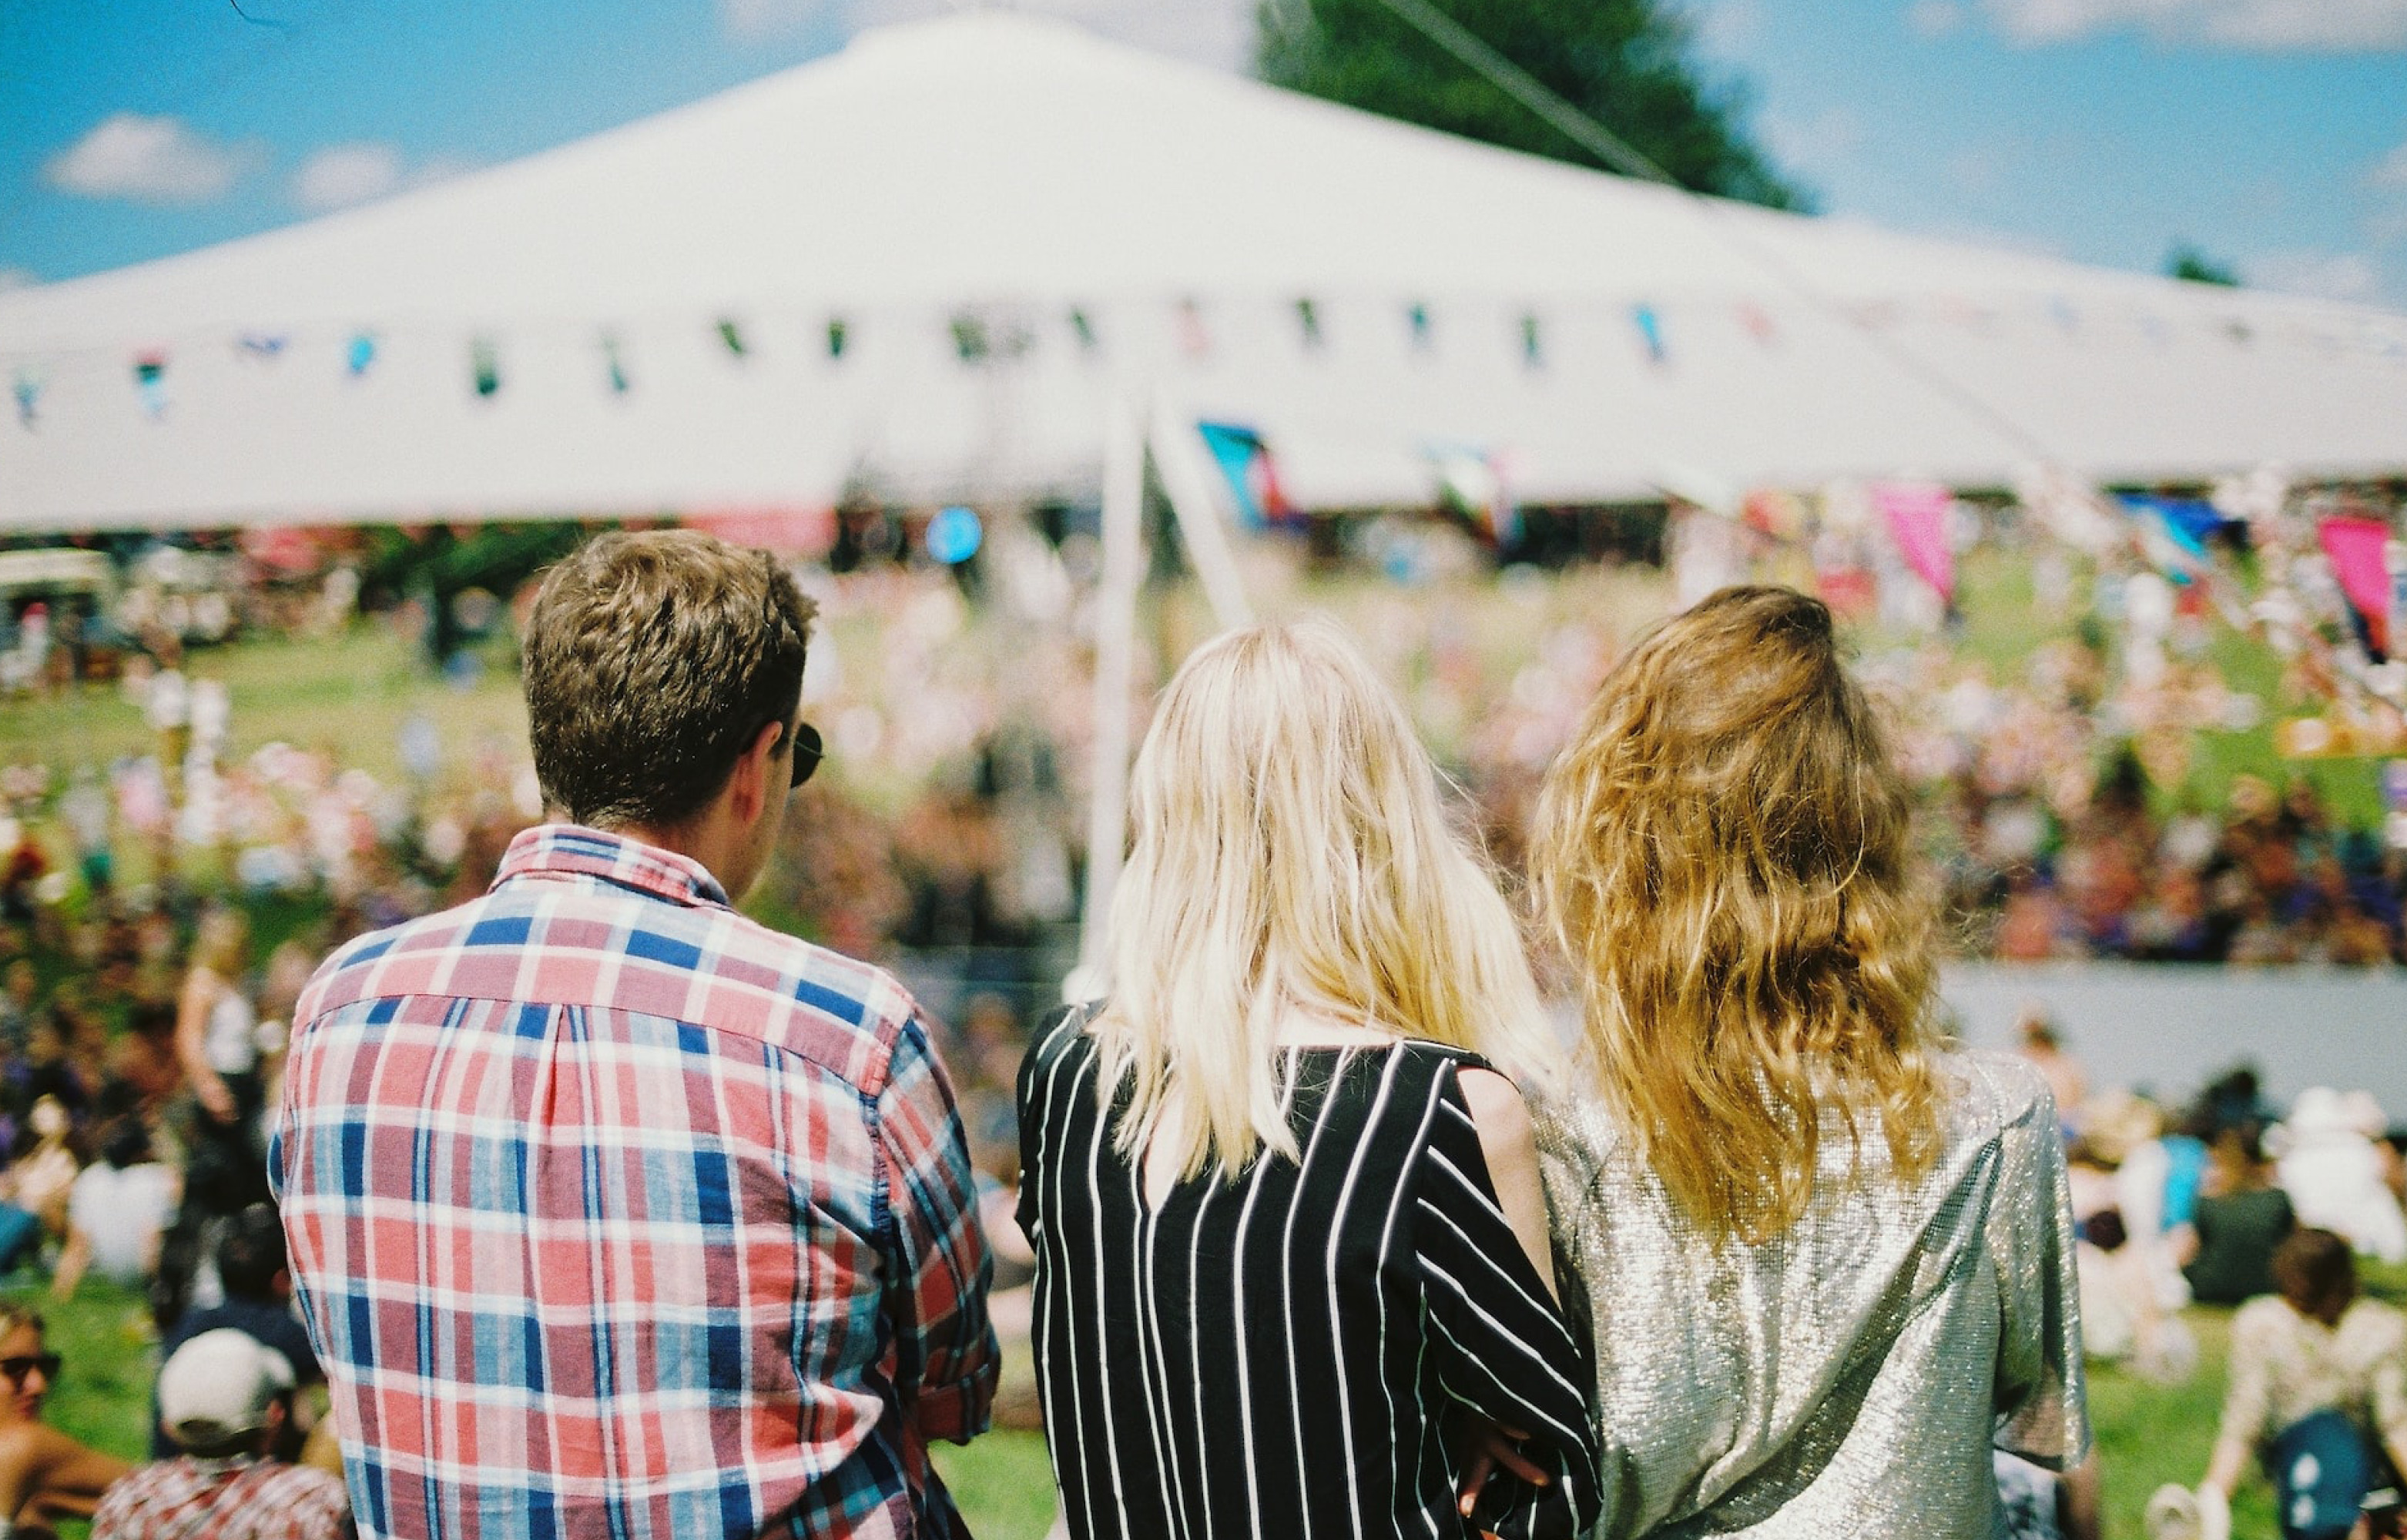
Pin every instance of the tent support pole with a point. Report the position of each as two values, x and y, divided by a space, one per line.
1114 674
1200 524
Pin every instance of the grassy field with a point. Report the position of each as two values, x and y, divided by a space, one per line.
2147 1435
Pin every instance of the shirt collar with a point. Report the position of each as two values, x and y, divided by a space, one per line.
572 850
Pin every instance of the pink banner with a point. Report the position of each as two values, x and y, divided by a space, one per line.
1917 518
2355 546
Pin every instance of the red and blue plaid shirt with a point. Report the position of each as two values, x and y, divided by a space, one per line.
613 1214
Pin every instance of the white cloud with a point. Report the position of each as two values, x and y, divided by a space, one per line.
149 160
16 277
1813 143
1935 18
2266 25
2391 170
2322 275
339 176
1220 32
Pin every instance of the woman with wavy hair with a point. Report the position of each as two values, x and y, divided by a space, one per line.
1827 1260
1292 1275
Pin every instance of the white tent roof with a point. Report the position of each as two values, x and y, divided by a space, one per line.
1012 171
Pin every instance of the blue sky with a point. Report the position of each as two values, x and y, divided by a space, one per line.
2270 133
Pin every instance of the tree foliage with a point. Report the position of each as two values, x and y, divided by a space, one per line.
2187 261
1624 63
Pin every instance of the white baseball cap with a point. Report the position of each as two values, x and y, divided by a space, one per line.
218 1387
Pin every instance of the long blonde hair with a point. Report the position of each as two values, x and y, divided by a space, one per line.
1291 852
1722 852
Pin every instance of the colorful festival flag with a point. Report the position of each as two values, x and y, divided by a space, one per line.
1245 460
2174 532
28 387
1194 337
1534 348
1417 320
361 353
1307 320
731 337
614 365
1916 514
2356 547
485 366
1650 332
262 345
839 333
150 383
1471 485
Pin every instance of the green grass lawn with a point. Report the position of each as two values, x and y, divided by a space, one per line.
2147 1435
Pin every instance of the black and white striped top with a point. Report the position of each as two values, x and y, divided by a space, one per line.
1286 1355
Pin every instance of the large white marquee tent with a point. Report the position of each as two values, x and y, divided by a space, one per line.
1017 230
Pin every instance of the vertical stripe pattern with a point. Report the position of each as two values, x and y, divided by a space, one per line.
1291 1353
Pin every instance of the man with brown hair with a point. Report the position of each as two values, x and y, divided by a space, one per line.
612 1212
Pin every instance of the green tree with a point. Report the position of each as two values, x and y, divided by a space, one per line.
2188 262
1624 63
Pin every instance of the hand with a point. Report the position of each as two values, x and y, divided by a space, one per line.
1492 1445
216 1100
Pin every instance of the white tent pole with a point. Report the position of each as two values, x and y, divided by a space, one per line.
1114 674
1200 524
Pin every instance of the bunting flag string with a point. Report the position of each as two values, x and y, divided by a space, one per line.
1471 485
1918 513
1650 332
151 382
359 354
1253 477
2358 548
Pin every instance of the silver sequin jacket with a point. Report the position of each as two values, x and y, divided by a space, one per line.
1849 1378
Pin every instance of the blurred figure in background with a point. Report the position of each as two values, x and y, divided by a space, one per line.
216 1041
2336 1176
226 1402
2239 1219
2318 1391
117 1212
44 1475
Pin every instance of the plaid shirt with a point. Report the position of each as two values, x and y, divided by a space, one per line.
613 1214
240 1499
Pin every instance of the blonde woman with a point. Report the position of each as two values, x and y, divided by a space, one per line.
1828 1261
216 1044
1292 1275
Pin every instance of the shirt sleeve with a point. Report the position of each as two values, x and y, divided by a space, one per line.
1502 1346
2388 1396
946 1349
2042 1404
2247 1399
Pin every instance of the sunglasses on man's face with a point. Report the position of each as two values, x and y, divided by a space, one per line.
809 751
16 1369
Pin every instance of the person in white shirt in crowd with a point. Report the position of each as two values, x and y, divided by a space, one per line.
117 1210
2333 1169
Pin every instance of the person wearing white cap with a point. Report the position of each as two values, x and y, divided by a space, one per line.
224 1397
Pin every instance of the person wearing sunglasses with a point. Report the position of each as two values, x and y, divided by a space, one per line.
672 1209
44 1475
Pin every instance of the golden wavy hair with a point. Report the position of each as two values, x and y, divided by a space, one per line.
1722 853
1291 854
